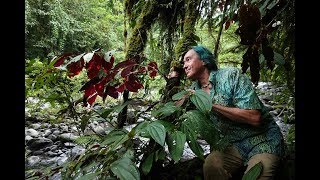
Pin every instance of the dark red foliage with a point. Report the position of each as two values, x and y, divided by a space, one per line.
107 65
100 87
227 24
123 64
121 88
153 69
112 91
101 74
132 84
126 71
75 68
268 54
249 24
90 83
61 59
92 98
94 65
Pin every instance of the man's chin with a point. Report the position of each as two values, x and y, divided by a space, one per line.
190 77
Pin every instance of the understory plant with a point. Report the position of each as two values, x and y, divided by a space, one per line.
130 153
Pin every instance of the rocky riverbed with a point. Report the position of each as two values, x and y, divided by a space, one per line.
52 144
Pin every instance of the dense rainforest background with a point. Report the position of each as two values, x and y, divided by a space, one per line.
96 79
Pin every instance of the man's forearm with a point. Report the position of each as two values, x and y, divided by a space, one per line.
248 116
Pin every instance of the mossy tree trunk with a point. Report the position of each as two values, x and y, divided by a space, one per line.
137 43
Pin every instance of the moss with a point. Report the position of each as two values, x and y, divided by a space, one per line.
188 37
138 39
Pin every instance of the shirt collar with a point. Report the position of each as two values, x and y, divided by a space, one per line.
211 79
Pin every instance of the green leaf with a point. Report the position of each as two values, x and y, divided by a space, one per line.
166 110
105 113
254 172
201 100
142 129
115 138
278 58
192 140
157 132
176 142
272 4
168 125
160 154
261 59
89 176
147 164
124 169
84 122
179 95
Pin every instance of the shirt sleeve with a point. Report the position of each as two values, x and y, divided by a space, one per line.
244 95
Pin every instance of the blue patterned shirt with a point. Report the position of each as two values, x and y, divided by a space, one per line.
231 88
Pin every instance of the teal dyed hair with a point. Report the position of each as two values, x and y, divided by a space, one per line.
206 55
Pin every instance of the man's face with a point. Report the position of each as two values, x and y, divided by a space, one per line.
192 65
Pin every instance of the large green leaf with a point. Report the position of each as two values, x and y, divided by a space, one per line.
176 142
192 140
179 95
157 132
115 138
124 169
147 164
140 129
160 154
278 58
89 176
201 100
168 125
166 110
254 172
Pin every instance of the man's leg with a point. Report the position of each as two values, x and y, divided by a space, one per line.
220 165
270 164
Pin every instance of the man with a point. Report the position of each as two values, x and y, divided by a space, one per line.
240 116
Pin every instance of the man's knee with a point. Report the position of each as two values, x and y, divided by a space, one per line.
213 161
270 164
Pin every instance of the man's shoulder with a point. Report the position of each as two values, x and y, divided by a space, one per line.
227 71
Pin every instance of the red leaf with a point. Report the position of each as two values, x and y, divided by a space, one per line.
92 82
93 66
100 87
123 64
126 71
227 24
121 88
153 74
89 91
110 76
92 98
112 91
133 84
153 69
112 60
61 59
152 65
75 68
142 69
90 95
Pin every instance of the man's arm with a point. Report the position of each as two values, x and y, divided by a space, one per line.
248 116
